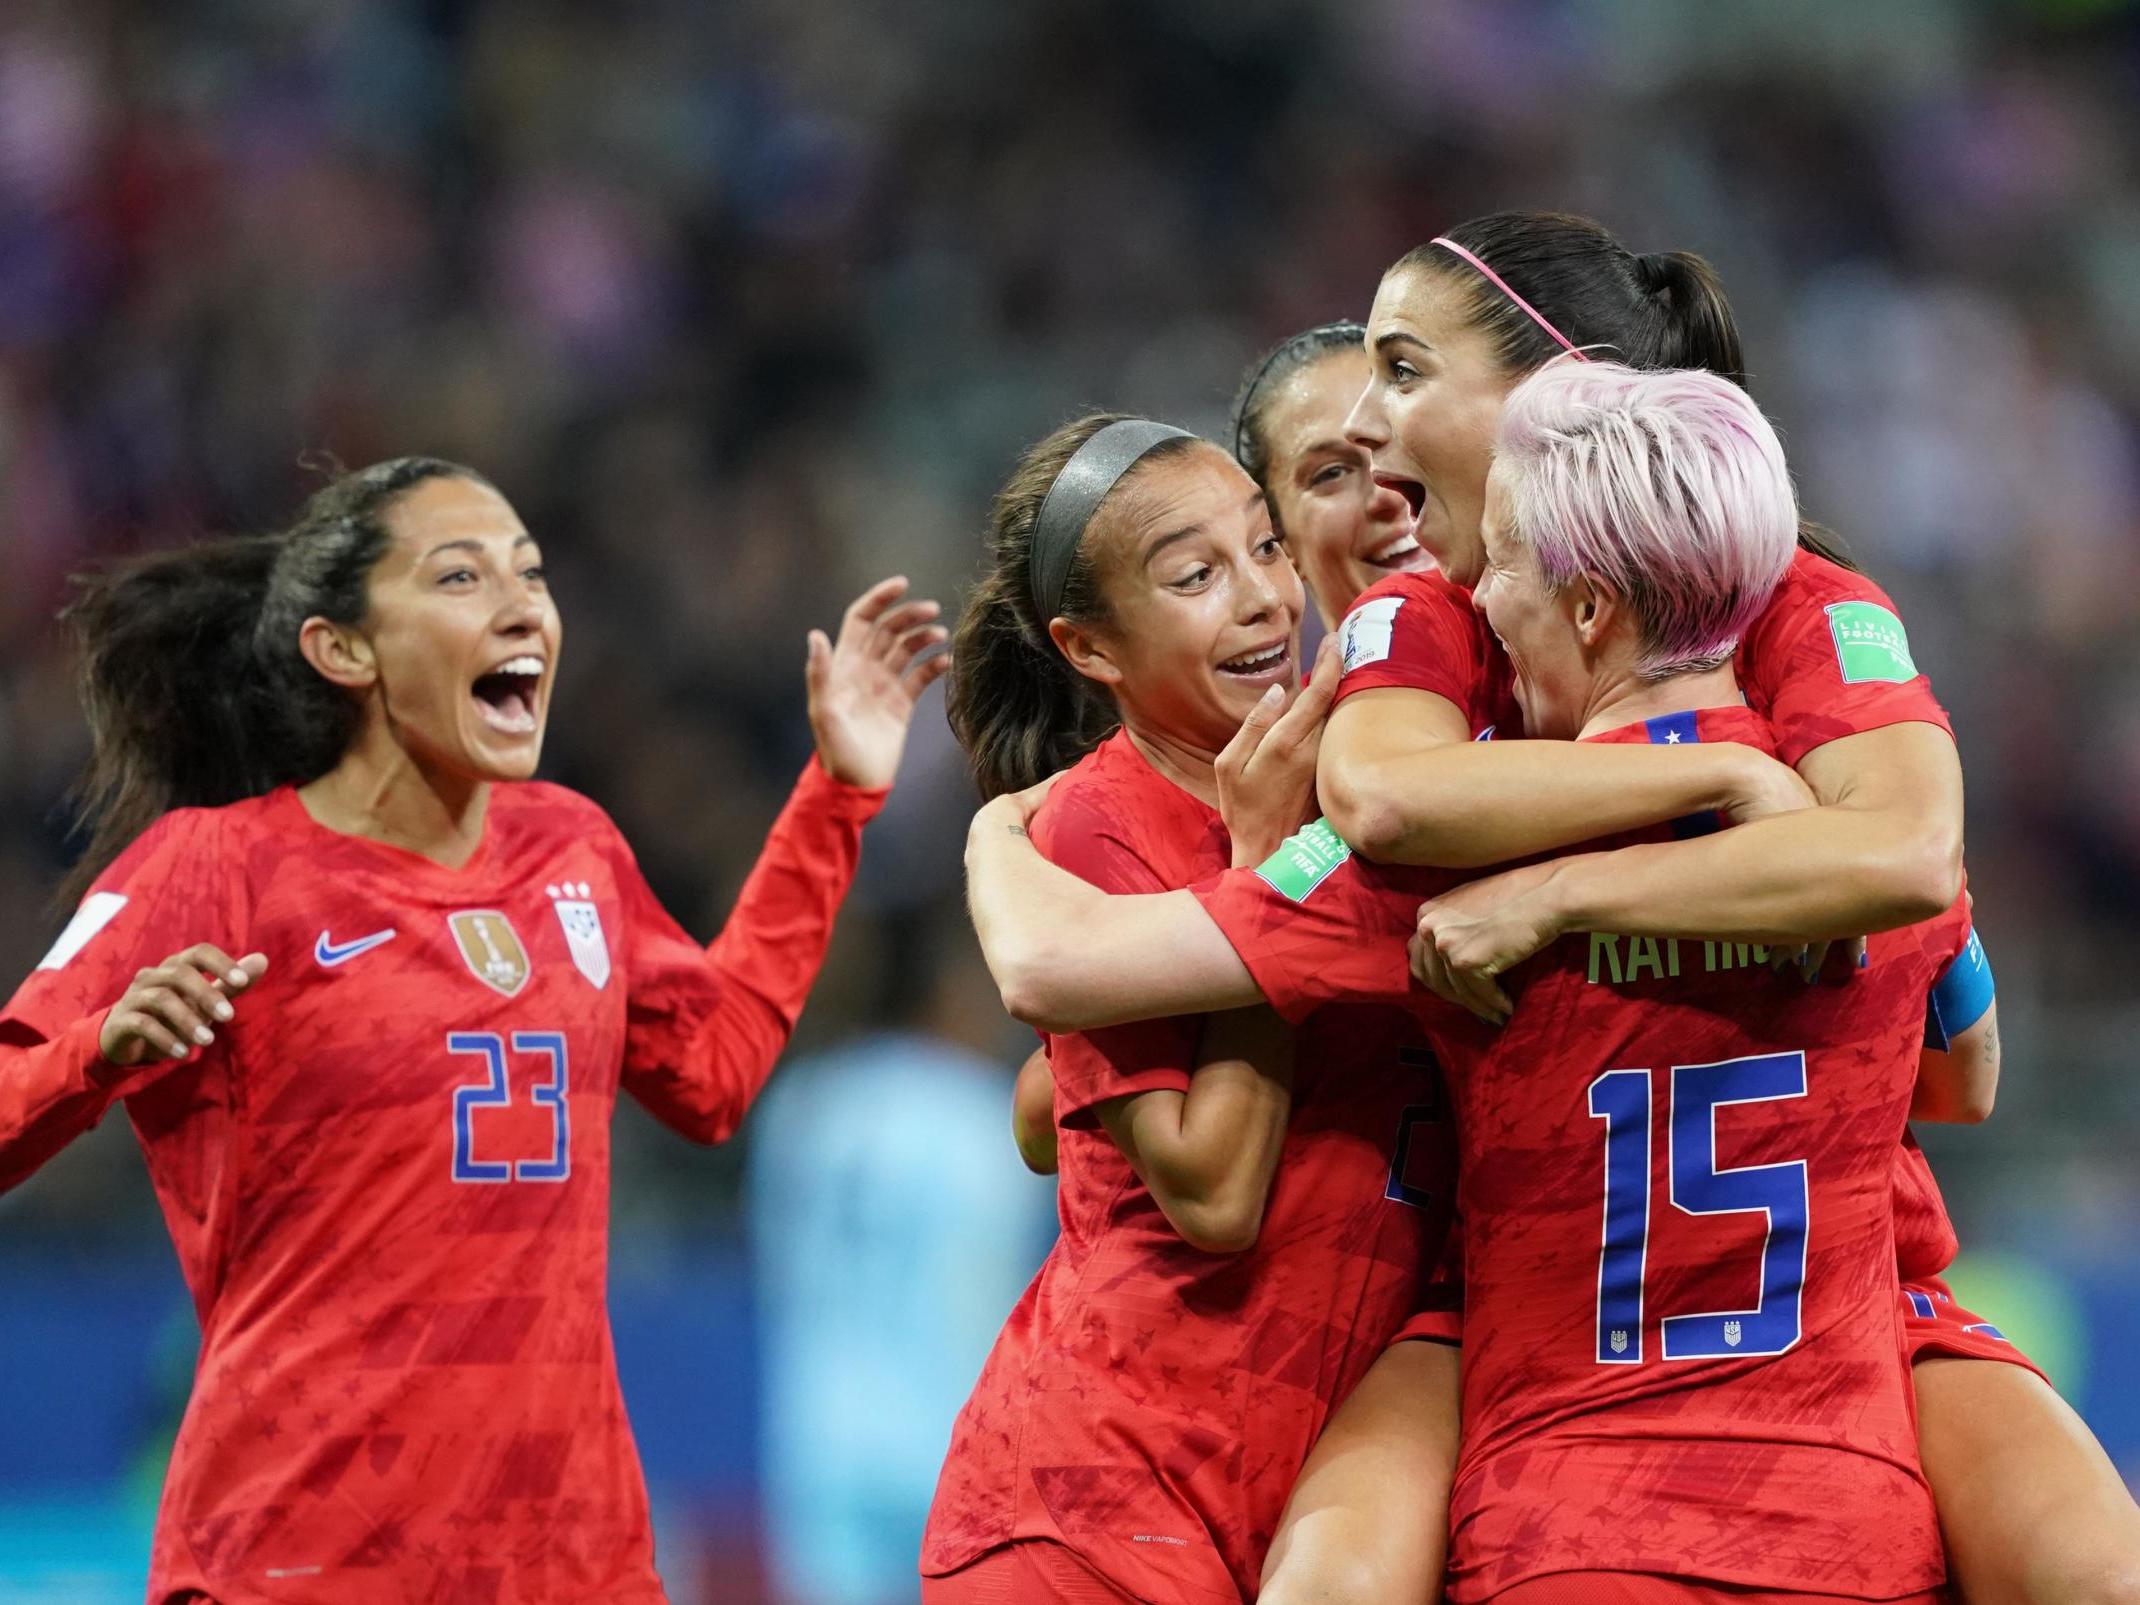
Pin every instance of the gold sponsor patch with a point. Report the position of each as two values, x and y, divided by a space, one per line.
492 948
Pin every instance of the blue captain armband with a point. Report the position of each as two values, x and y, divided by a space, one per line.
1960 996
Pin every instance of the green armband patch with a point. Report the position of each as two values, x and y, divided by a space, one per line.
1304 861
1869 643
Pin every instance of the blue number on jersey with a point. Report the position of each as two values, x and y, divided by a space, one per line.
1400 1188
1777 1191
1622 1099
551 1044
494 1092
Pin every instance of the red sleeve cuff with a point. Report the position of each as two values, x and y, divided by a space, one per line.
818 788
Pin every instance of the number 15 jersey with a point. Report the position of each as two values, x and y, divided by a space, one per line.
388 1180
1681 1348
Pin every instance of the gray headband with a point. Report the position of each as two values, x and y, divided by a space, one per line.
1093 470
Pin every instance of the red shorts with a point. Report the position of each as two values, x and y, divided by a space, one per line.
1030 1572
1934 1325
1639 1588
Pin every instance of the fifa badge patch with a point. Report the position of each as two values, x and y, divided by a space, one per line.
1869 643
1365 634
582 923
491 948
1304 861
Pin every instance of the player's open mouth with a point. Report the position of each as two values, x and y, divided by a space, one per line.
1263 665
1402 553
508 697
1413 492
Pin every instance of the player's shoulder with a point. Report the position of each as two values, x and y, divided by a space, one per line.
1114 803
191 835
1816 582
540 819
1110 783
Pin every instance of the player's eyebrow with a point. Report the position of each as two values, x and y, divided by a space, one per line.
469 543
1397 337
1164 541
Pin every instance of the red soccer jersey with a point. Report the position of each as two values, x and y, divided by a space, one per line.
1149 1404
1682 1346
388 1180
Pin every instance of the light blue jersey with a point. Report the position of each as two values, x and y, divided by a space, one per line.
892 1230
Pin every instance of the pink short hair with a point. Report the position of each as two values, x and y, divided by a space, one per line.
1669 488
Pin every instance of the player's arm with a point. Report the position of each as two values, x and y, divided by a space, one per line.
1401 780
1958 1073
1877 854
1368 1518
1883 850
1070 957
1207 1154
52 1090
706 1028
1033 1114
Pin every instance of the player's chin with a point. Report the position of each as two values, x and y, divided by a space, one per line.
491 755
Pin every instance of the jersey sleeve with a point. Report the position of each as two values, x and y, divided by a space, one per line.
705 1026
1314 925
1415 636
1091 1067
175 887
1830 658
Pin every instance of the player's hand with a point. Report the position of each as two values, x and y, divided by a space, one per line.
1465 940
175 1007
1766 787
863 686
1266 772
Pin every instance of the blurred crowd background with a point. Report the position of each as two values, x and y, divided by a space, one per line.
747 303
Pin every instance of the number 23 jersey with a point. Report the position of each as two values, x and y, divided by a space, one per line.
388 1185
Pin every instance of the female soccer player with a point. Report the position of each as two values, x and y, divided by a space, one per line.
1235 1247
1774 1451
368 993
1344 532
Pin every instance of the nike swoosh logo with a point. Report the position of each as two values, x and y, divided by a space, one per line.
330 955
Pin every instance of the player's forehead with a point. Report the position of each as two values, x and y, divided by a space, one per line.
451 513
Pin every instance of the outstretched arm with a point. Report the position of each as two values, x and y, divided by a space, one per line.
1070 957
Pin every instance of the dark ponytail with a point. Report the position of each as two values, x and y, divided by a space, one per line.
190 673
1664 309
1016 705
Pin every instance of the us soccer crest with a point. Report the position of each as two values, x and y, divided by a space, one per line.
491 948
582 923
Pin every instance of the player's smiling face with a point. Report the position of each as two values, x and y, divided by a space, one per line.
463 633
1204 605
1345 531
1537 627
1428 414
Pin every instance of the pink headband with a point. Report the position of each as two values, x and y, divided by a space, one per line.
1501 284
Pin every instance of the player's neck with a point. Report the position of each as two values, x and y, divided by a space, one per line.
380 792
1189 766
1631 699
